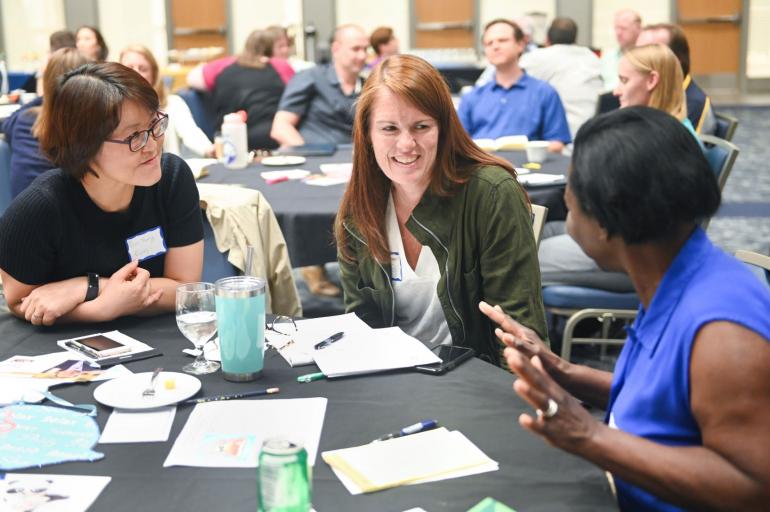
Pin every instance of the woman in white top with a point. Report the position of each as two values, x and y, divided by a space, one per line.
182 129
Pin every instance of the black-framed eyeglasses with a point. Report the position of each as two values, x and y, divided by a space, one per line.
286 328
137 140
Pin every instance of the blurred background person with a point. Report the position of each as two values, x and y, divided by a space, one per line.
91 44
254 83
57 40
574 71
27 161
627 25
699 108
182 130
203 77
384 43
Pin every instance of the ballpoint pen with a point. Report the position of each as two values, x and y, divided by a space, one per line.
328 341
421 426
245 394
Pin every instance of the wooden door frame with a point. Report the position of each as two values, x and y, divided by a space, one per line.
475 20
228 26
742 82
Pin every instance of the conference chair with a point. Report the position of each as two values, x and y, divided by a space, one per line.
539 213
754 258
609 297
201 108
5 175
726 126
721 156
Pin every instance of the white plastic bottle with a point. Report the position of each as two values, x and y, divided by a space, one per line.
235 149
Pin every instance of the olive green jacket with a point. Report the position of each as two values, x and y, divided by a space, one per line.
483 241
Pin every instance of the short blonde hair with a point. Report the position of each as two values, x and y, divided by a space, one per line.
668 95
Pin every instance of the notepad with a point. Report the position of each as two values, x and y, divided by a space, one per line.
378 350
428 455
506 143
540 179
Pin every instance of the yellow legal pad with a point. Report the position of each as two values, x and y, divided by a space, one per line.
433 455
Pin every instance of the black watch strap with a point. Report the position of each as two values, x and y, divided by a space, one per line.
93 286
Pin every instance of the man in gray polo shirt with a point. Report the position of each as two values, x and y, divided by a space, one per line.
317 104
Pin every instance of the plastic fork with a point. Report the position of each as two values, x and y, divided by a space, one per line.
150 391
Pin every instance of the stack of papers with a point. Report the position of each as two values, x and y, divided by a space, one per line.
418 458
540 179
230 434
361 349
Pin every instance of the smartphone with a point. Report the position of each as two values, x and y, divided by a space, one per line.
99 346
450 355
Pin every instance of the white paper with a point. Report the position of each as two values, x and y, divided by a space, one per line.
339 170
325 181
21 377
428 456
229 434
376 351
540 179
290 174
298 349
198 165
138 426
135 345
21 492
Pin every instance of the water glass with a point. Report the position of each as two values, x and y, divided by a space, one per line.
196 317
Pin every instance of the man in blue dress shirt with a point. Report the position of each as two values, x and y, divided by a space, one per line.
513 103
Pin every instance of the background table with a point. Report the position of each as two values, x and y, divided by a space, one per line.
306 213
475 398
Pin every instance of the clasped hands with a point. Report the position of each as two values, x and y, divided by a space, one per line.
126 292
569 426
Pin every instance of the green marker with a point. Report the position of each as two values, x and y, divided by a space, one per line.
311 377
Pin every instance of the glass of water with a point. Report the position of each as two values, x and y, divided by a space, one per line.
196 317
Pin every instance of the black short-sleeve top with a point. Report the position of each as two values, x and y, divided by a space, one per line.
54 231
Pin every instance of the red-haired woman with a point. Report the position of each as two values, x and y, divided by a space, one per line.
430 224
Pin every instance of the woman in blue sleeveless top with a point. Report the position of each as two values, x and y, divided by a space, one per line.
688 406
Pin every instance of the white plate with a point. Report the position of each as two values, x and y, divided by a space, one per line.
283 160
126 392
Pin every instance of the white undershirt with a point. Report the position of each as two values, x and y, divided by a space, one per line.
418 309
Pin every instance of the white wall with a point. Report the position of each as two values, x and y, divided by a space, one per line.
758 55
651 11
26 27
135 22
370 15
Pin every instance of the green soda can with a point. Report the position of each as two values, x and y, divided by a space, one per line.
283 479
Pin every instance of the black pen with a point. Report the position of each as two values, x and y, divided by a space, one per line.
204 399
328 341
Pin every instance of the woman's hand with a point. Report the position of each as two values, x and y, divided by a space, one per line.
561 419
128 291
523 339
45 304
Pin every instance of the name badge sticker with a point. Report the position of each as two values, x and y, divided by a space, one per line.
395 267
146 245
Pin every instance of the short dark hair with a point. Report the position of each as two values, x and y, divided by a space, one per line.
103 50
640 173
677 41
380 36
85 110
61 39
518 33
562 31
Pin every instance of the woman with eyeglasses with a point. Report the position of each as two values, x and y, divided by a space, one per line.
117 226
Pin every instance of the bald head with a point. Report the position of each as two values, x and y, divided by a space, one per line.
349 49
628 25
